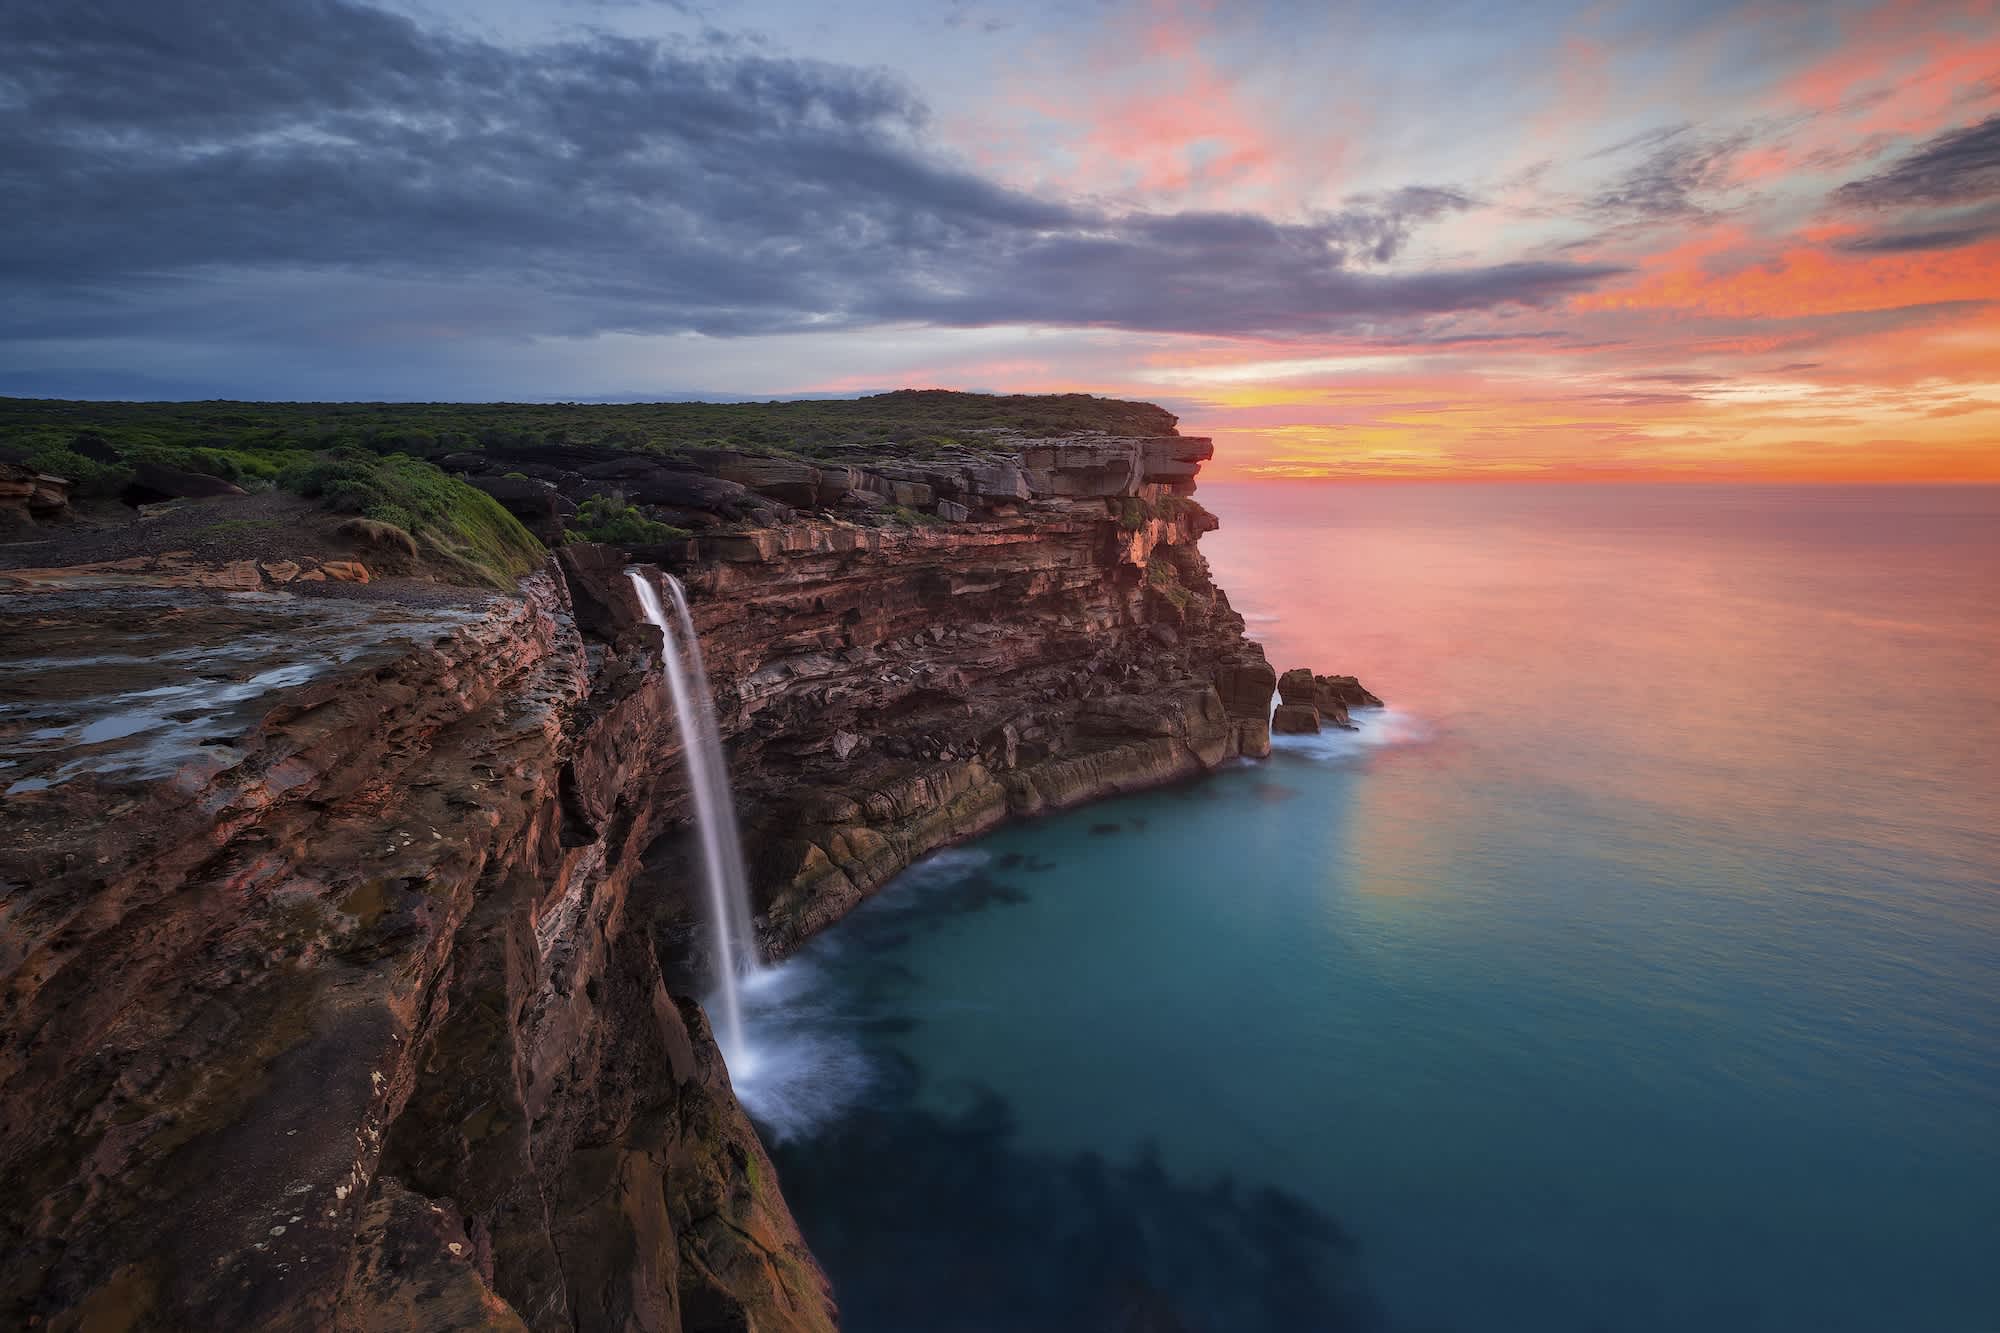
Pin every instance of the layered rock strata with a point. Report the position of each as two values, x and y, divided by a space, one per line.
888 690
344 1014
346 992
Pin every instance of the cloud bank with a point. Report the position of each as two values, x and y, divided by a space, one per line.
172 165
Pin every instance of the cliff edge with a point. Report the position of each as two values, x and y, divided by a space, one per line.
345 924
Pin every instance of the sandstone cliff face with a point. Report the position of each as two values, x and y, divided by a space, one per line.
353 1020
346 992
888 691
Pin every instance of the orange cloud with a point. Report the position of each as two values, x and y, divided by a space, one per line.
1802 279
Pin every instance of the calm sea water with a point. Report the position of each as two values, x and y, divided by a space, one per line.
1638 969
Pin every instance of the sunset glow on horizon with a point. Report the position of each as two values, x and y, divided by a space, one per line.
1806 286
1728 241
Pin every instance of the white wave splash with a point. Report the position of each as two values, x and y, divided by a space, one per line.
1375 729
799 1072
802 1069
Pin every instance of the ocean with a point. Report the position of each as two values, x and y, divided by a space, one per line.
1637 970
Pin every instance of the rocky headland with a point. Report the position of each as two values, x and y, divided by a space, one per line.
345 913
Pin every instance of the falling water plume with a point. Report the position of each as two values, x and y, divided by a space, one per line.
715 811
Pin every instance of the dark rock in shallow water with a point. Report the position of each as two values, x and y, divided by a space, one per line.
1102 830
1348 690
1331 695
1296 686
1295 720
929 1219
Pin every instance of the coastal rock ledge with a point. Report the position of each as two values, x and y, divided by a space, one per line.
350 987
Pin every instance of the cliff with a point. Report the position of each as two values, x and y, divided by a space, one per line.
345 927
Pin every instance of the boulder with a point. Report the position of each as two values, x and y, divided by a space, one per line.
836 482
1296 686
26 494
1295 720
541 508
689 490
599 592
1347 690
152 482
1332 712
89 444
783 479
952 511
998 482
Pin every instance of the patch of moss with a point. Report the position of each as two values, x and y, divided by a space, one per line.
911 518
1166 581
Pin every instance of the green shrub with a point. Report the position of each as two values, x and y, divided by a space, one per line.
608 519
1166 580
911 518
86 476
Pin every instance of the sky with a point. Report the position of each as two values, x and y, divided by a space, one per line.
1465 240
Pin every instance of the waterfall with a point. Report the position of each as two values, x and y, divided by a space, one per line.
715 811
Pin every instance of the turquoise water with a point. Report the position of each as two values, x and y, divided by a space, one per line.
1638 969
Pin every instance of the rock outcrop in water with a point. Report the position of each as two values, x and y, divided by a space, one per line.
1309 702
342 984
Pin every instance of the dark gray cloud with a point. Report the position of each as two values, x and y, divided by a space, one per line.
1946 193
1960 166
175 164
1924 238
1680 170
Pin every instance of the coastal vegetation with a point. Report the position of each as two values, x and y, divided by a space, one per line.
403 465
453 520
609 519
89 441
